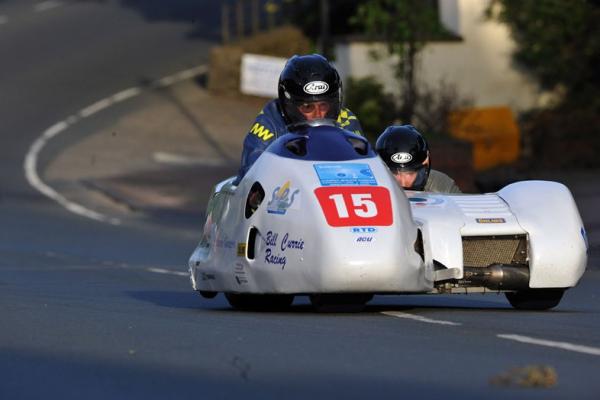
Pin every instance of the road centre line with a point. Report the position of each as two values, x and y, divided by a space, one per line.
178 159
595 351
30 163
47 5
167 271
419 318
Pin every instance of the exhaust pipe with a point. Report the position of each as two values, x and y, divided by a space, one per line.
497 277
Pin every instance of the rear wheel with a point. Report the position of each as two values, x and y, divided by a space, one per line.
535 299
259 302
327 302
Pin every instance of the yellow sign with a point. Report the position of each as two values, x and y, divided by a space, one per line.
492 131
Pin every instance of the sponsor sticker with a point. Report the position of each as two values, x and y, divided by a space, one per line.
277 250
401 158
355 206
490 220
240 274
426 201
241 249
363 229
365 239
333 174
282 198
316 87
207 277
228 244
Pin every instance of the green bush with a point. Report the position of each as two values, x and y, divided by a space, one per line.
375 109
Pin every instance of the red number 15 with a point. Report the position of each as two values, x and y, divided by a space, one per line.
355 205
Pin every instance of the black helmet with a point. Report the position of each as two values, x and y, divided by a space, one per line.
307 79
403 149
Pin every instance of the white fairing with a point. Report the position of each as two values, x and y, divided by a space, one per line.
544 211
558 250
320 236
445 219
297 251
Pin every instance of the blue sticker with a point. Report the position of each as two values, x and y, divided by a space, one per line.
423 201
363 229
585 238
345 174
282 198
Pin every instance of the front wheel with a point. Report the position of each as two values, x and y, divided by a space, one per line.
259 302
535 299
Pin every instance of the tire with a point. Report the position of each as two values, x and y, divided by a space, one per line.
208 294
259 302
339 303
535 299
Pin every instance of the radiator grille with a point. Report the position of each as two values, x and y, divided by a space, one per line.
481 251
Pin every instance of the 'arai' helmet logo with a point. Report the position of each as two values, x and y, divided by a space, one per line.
316 87
401 158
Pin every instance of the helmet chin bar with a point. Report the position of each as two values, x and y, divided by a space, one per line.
312 123
421 178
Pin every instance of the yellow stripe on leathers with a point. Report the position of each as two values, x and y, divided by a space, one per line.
344 118
261 132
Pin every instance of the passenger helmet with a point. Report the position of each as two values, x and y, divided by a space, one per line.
306 79
404 149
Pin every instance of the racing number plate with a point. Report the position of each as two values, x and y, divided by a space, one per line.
355 205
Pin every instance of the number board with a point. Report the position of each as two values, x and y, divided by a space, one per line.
355 205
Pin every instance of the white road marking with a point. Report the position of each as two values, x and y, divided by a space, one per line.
30 162
46 5
167 271
126 94
96 107
3 19
35 181
180 76
595 351
419 318
178 159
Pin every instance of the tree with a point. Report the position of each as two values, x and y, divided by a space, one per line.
558 42
376 109
405 26
320 20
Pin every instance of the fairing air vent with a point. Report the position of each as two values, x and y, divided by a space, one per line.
482 251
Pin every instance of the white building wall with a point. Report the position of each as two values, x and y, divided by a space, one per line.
480 65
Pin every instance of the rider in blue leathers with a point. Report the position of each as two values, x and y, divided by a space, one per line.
309 88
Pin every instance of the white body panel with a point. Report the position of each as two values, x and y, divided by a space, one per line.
545 211
322 258
298 251
558 250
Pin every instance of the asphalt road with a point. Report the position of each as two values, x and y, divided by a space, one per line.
94 310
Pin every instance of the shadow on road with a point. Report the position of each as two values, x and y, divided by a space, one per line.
167 298
203 16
